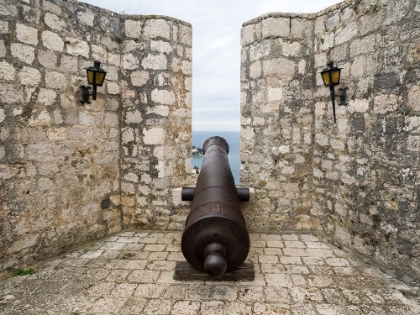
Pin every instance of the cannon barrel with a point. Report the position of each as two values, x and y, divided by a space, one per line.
215 238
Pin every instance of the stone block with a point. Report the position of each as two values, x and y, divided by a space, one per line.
413 143
384 103
364 45
413 100
357 69
274 94
185 35
358 106
301 28
154 136
255 69
326 41
161 46
259 50
53 8
86 17
157 29
24 53
47 97
133 117
77 47
247 35
47 59
29 76
163 97
113 88
186 67
346 33
7 71
4 27
111 120
129 62
54 22
26 34
3 51
133 28
56 80
52 41
99 53
280 67
42 119
2 116
139 78
155 62
276 27
9 94
114 59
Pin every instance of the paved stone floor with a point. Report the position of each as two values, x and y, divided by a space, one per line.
133 273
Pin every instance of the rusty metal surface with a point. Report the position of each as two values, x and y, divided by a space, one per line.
215 238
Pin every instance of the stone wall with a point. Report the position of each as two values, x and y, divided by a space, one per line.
277 121
366 166
362 186
63 165
156 121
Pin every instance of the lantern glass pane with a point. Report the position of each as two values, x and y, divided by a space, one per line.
336 76
90 76
326 78
100 77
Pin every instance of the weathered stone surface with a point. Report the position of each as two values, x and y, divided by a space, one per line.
155 62
52 145
52 41
360 172
7 71
156 28
133 28
139 78
27 35
24 52
77 47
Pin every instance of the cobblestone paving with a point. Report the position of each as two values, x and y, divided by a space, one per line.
133 273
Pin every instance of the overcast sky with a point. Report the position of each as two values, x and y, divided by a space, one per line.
216 47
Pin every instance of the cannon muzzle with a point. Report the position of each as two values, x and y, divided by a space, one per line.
215 238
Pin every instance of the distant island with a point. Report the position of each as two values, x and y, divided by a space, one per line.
197 151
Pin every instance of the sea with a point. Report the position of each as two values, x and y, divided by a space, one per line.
232 138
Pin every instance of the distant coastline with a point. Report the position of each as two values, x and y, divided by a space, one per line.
232 138
195 151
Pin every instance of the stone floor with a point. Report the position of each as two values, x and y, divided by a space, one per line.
133 273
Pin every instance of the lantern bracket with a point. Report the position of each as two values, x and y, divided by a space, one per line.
85 94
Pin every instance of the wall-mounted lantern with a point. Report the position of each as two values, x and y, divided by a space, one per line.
96 77
331 78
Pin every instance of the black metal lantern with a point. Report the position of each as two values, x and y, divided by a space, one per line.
95 77
331 77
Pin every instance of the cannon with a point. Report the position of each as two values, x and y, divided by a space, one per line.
215 238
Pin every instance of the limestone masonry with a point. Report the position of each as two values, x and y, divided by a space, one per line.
356 181
73 173
69 172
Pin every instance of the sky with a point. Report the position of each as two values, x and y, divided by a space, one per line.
216 47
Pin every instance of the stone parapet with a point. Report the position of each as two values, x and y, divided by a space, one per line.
69 172
356 180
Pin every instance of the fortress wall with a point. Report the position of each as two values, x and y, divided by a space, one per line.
277 82
156 121
63 165
366 167
362 186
